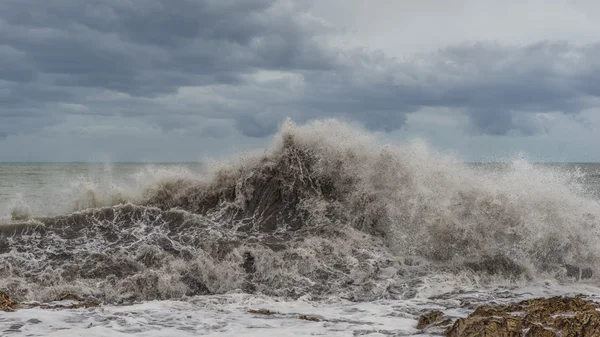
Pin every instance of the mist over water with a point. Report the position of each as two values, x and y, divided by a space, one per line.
43 189
327 210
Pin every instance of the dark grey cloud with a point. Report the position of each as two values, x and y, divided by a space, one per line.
132 59
145 48
152 47
498 87
255 127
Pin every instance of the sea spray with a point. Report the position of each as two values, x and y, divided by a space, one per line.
19 209
327 210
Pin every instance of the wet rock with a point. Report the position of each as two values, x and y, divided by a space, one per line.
543 317
539 331
434 322
429 318
261 312
6 303
492 326
310 318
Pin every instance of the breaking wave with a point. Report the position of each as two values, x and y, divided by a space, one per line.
327 210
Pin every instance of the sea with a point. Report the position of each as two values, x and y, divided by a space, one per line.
328 231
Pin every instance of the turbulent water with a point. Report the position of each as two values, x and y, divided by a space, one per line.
327 220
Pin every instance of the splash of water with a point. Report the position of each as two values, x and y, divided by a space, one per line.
19 209
327 210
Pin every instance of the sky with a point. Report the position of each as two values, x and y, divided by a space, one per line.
181 80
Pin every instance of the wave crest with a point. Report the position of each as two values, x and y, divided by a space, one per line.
327 210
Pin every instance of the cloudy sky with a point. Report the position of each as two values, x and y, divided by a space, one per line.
178 80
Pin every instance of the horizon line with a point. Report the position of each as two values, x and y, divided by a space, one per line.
201 162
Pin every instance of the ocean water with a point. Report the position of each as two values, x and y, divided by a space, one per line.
328 222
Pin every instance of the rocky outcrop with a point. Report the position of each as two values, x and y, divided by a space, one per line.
543 317
75 302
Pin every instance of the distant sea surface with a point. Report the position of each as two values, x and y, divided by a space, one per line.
59 188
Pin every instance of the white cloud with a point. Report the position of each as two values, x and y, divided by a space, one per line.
405 27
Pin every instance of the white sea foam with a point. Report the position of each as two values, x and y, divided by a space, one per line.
227 315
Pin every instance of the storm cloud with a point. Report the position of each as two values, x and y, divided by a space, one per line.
198 66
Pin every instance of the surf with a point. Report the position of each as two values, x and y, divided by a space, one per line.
326 210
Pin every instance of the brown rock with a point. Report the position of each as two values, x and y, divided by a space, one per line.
309 318
586 323
6 303
429 318
261 312
478 326
542 317
538 331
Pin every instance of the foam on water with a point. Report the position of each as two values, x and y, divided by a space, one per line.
227 315
214 316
